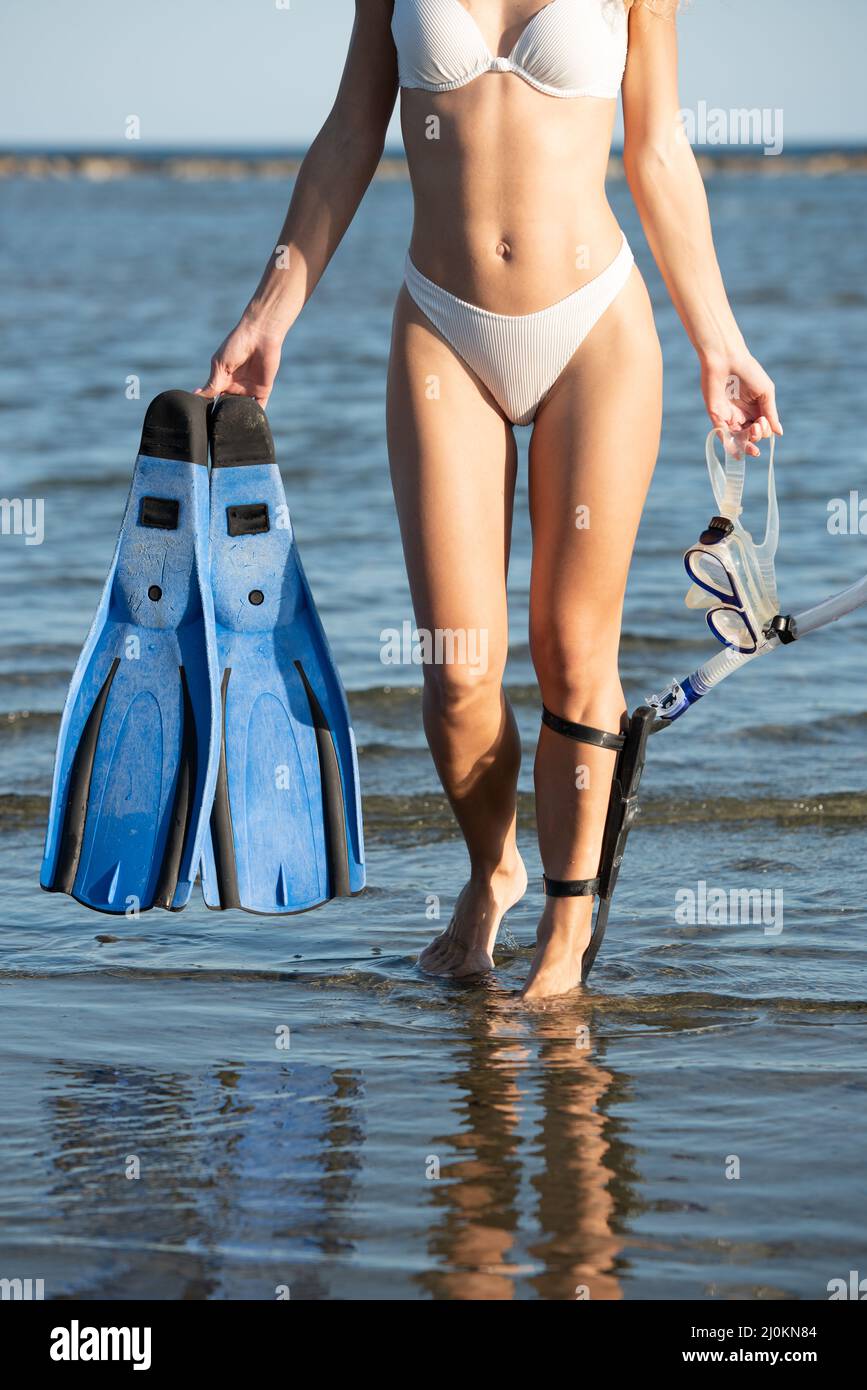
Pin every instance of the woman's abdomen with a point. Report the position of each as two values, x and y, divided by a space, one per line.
509 192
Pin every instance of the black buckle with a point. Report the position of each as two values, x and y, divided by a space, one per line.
783 627
718 528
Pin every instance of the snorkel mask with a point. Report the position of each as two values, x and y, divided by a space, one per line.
733 577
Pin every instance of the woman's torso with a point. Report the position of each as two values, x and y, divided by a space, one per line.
509 179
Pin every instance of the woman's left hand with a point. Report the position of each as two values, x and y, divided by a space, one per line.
740 396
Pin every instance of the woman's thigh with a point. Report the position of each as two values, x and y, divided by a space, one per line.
592 456
453 461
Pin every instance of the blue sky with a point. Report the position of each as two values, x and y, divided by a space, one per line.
254 72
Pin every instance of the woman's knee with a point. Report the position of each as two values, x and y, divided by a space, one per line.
575 669
457 688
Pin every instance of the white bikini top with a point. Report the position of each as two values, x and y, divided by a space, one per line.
570 48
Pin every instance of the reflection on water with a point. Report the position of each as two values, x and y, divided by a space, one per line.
451 1146
230 1180
486 1201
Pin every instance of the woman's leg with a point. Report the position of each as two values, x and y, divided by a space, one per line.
593 448
453 463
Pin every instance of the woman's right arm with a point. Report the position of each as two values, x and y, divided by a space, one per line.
667 187
331 183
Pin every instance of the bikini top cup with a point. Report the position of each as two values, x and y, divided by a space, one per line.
570 48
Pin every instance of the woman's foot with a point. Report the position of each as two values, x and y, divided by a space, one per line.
466 946
562 937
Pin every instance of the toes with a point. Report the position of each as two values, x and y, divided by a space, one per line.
444 964
437 958
437 948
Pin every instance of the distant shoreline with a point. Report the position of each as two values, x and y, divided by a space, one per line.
95 166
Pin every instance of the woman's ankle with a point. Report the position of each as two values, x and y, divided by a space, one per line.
492 873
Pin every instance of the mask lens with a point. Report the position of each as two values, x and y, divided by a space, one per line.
710 572
732 628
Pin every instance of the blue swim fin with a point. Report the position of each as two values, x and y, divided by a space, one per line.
286 829
138 747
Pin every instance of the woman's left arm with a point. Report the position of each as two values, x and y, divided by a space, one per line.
667 187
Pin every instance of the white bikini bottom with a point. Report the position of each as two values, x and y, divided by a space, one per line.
520 356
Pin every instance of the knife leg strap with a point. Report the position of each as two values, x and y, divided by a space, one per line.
570 887
582 733
631 749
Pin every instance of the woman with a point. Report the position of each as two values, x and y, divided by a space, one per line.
521 304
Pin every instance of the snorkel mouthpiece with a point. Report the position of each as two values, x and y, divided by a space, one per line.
675 701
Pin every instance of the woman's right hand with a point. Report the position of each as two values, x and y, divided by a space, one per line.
245 364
